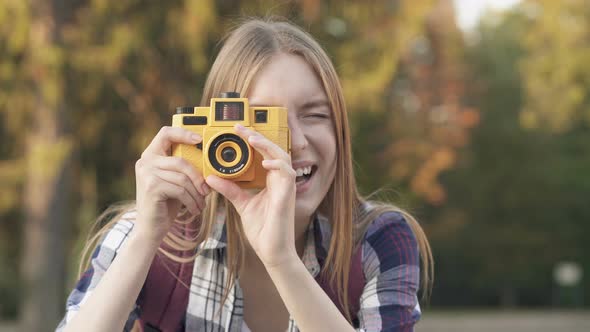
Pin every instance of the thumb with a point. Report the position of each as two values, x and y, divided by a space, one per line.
229 189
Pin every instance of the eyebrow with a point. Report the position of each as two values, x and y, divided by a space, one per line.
315 103
305 106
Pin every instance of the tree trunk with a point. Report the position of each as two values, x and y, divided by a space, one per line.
47 187
43 261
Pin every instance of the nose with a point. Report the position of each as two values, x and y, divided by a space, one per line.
298 139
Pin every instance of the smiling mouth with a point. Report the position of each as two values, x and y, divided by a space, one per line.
305 175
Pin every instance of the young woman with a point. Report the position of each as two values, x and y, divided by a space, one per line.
256 254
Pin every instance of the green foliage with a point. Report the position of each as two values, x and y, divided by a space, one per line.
516 202
557 71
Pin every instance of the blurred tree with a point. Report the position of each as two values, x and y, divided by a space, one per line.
430 122
34 109
556 77
557 72
515 206
14 27
490 229
423 117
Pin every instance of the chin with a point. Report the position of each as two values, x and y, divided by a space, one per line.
304 208
308 204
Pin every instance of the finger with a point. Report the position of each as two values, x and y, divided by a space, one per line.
181 180
180 165
171 191
230 190
164 139
267 148
279 165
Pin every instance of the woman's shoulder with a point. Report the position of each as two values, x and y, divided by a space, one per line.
389 242
388 220
387 223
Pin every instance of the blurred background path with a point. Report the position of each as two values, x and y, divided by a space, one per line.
484 321
506 321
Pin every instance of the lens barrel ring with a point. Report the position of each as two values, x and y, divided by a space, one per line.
235 167
221 153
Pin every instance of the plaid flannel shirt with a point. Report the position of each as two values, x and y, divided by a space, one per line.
390 263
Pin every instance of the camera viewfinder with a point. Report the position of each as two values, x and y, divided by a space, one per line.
229 111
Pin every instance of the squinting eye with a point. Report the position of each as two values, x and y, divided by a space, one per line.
318 115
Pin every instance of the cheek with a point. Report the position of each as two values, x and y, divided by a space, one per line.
331 147
330 154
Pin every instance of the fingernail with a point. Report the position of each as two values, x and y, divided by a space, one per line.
196 138
239 127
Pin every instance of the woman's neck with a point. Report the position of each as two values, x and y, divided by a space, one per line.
301 227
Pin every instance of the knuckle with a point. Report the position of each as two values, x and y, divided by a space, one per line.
176 162
142 167
199 179
164 133
165 130
151 183
179 161
182 192
184 178
187 167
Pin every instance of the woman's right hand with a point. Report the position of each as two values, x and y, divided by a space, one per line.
165 183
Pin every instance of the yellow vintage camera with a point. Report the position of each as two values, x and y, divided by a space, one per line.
223 152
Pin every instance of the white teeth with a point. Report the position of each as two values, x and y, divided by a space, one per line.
303 171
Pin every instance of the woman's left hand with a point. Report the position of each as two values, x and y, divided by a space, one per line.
268 216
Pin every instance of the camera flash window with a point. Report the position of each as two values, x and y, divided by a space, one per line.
261 116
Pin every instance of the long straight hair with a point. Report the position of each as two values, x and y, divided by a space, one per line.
246 50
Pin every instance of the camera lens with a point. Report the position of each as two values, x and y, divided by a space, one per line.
228 154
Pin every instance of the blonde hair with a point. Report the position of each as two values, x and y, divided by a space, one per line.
246 50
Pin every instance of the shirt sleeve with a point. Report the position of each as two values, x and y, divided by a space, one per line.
103 256
389 301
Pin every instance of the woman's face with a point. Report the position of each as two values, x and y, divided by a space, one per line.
289 81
